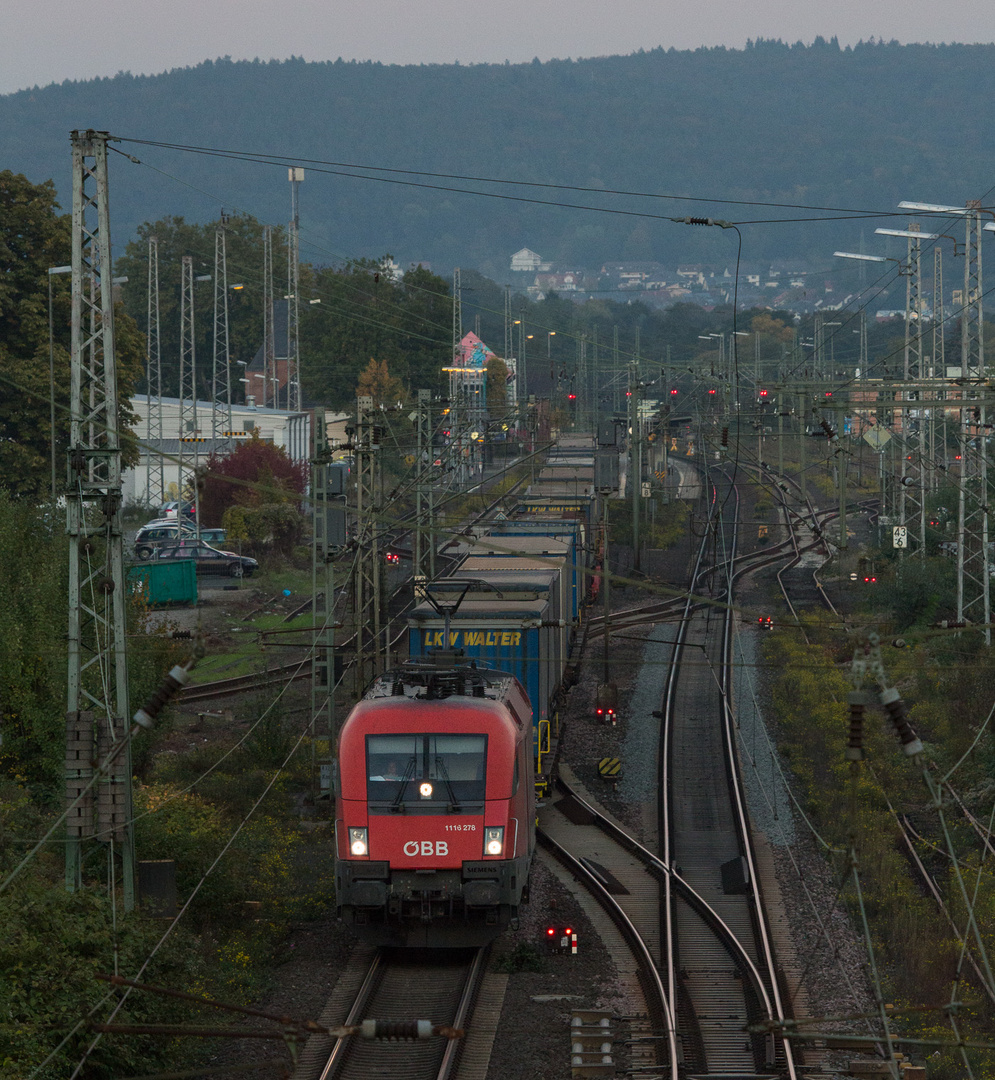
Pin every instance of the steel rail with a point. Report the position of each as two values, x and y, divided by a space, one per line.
742 815
354 1015
464 1011
470 973
664 787
688 893
661 1012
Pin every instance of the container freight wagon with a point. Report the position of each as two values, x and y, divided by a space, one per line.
516 636
523 579
553 554
570 532
553 500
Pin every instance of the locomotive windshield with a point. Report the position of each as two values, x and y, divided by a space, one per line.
426 769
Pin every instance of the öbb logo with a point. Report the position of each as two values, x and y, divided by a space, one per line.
426 847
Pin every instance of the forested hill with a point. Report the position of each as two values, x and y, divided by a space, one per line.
820 125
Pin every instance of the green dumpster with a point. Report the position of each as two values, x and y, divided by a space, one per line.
160 583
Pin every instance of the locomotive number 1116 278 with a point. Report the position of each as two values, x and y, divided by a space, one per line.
466 827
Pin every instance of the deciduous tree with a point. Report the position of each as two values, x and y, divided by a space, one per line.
377 382
33 238
255 492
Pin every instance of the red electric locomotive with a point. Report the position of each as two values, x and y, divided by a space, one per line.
435 806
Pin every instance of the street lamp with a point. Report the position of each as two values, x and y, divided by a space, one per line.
549 336
863 258
910 233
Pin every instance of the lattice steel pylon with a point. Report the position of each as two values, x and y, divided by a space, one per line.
457 399
97 707
155 473
938 367
188 377
423 542
293 299
221 371
973 559
369 625
912 488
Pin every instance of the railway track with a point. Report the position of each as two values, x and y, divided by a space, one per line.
399 985
706 840
624 878
693 907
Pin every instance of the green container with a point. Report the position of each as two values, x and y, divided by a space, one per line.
172 582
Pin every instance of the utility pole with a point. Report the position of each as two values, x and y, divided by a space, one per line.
296 175
606 481
635 459
269 337
581 383
803 424
329 533
509 331
423 568
188 375
615 375
367 579
221 372
155 478
97 720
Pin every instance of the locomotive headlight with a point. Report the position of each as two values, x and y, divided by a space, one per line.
494 840
359 842
425 790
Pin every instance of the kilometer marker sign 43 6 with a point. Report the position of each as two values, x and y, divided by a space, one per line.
900 536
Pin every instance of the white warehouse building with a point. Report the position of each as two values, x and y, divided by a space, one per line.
291 431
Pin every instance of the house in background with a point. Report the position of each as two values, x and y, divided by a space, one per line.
527 261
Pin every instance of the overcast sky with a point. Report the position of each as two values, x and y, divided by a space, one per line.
44 41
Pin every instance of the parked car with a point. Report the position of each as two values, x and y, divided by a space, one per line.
154 534
209 559
171 509
213 536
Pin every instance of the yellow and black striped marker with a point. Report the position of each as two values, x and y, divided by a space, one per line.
610 768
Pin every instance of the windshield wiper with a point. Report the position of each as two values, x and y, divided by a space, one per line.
454 803
397 806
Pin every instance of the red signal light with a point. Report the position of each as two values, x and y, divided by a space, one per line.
673 393
711 391
571 397
551 930
829 393
763 393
